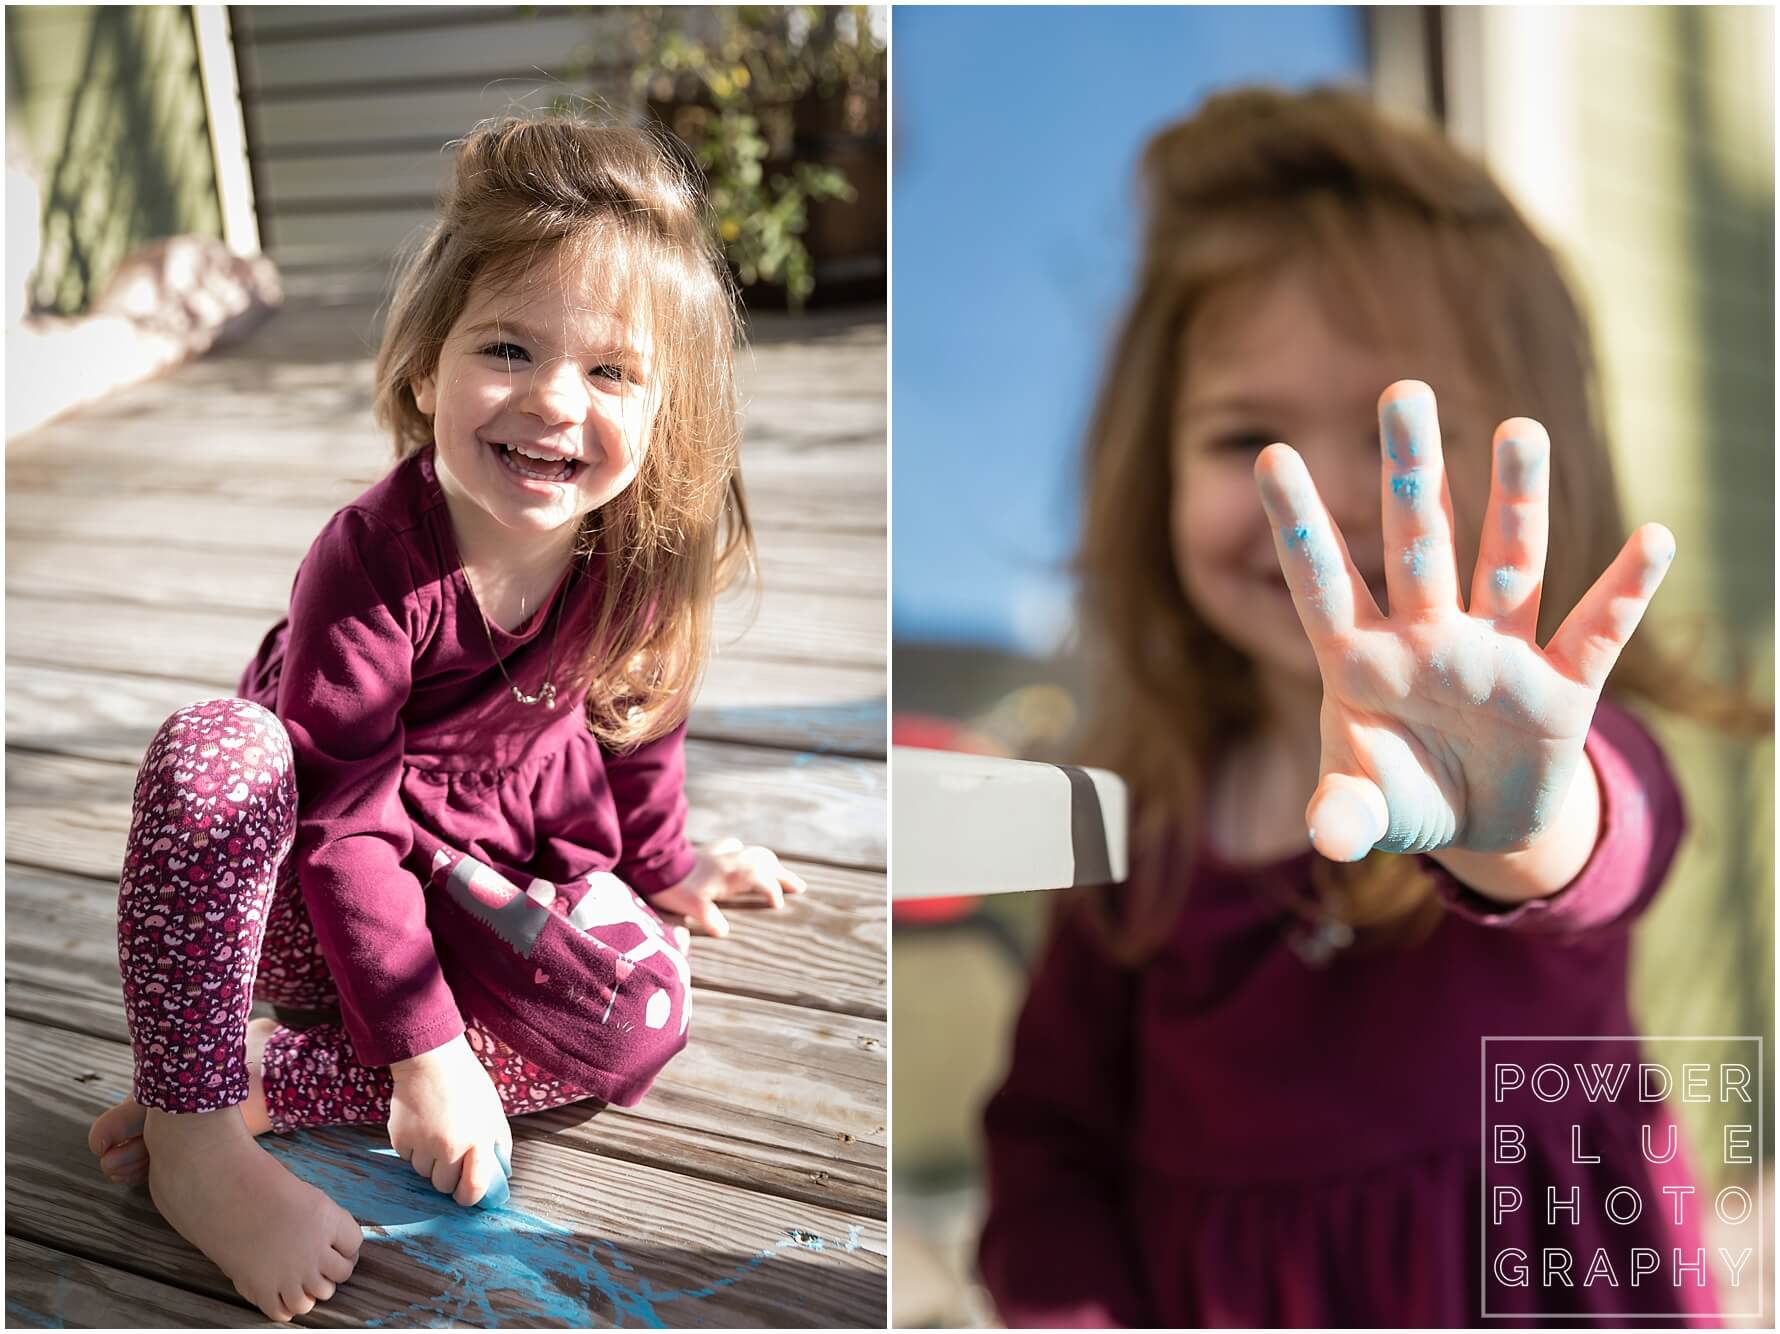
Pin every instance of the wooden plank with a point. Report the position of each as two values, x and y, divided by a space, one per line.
825 951
836 563
224 610
842 484
292 524
587 1240
49 1289
766 1096
73 814
63 945
111 715
824 708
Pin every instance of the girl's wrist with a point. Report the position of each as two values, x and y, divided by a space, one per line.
1554 858
422 1061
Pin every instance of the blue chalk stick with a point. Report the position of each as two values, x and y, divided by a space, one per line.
497 1193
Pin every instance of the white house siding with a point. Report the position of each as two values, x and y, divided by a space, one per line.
1641 140
350 108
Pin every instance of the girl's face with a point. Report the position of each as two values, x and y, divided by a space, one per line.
1262 363
542 404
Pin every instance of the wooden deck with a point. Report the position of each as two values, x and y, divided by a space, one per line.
151 540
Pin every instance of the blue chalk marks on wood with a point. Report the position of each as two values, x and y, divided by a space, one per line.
484 1258
19 1315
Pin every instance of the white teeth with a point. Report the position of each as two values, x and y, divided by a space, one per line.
533 454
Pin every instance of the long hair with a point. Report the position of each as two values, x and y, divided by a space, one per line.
557 188
1409 242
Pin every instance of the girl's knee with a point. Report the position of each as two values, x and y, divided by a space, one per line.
222 763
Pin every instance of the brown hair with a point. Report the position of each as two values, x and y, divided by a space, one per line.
1254 180
527 189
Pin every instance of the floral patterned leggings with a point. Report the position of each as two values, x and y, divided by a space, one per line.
209 919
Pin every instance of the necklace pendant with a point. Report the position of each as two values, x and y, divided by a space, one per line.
546 693
1318 944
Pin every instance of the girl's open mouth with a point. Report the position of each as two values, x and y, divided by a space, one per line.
536 470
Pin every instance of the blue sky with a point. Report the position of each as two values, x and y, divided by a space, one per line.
1016 139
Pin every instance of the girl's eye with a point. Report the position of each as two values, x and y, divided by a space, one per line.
504 351
609 371
1241 441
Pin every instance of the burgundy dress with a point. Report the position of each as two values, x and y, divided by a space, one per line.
456 848
1234 1136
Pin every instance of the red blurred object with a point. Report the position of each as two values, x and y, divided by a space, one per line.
925 732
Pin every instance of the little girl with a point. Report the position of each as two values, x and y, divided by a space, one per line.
1245 1088
447 805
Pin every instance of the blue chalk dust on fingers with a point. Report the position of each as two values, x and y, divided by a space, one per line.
1504 578
1298 538
1404 421
1520 464
478 1255
1415 556
1408 488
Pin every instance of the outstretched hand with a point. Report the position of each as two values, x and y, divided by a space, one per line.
1442 726
726 871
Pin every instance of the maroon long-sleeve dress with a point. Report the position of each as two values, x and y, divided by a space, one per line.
451 840
1231 1135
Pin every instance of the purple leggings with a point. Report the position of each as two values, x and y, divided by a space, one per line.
209 919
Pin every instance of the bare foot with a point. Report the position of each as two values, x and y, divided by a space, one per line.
116 1136
283 1243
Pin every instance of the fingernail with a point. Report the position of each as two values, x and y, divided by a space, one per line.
1520 463
1407 422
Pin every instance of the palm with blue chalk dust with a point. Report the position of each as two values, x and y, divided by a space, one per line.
1447 726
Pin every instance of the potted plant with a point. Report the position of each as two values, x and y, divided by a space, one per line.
779 105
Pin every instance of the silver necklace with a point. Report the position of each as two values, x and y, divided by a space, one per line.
546 692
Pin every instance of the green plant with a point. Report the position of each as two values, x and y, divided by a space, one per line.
728 82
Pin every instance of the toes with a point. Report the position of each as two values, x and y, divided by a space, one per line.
335 1267
297 1303
133 1175
348 1237
319 1288
273 1307
126 1162
113 1127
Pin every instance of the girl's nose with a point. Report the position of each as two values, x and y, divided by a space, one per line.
1346 473
557 393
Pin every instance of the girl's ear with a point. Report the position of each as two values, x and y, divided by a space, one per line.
426 396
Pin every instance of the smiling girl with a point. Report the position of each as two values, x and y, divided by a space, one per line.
446 808
1383 812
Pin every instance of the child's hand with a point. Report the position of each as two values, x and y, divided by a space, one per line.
727 871
446 1118
1442 727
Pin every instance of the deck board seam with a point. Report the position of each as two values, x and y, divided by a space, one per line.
694 731
120 1262
616 1153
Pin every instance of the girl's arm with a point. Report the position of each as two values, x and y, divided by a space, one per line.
648 788
1056 1246
348 670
